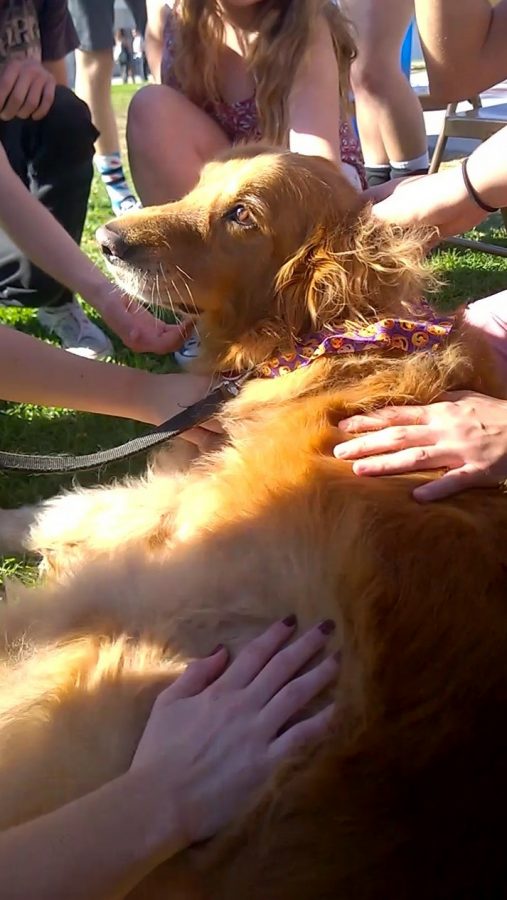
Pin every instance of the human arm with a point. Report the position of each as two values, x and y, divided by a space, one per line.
154 36
32 371
32 228
211 741
314 101
466 433
464 45
442 200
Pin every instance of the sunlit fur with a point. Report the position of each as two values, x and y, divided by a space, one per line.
284 29
406 797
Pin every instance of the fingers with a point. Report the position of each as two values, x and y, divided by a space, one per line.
414 459
8 79
302 733
46 101
452 482
197 676
390 415
257 654
289 661
204 439
32 94
293 698
387 440
32 99
17 96
154 340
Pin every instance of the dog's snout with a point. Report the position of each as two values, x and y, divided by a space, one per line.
111 243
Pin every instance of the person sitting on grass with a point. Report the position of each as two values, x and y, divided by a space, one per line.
48 137
239 71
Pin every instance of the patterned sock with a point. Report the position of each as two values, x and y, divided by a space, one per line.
120 193
377 174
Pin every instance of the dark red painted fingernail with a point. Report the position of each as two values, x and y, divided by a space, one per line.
215 651
327 626
290 621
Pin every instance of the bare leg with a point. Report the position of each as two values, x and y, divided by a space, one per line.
389 115
169 140
94 70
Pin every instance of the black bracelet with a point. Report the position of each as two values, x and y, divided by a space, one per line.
472 193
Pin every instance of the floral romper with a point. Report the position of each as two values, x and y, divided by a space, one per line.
239 120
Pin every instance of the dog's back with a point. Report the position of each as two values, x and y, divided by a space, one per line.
414 771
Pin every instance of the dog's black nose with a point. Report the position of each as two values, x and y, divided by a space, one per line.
111 243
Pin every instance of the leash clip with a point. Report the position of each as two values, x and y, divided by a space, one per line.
232 385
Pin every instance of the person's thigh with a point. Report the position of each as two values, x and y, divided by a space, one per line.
380 25
169 140
94 23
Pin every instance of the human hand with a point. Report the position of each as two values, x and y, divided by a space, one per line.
440 200
465 433
206 437
214 735
27 90
135 325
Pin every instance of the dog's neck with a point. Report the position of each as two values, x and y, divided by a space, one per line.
269 355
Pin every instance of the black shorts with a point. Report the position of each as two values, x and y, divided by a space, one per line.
94 21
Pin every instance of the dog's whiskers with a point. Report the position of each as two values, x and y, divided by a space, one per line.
184 274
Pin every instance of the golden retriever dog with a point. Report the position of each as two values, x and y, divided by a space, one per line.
406 797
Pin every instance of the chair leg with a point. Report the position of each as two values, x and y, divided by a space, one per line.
438 153
476 246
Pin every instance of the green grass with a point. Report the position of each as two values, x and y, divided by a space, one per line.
34 429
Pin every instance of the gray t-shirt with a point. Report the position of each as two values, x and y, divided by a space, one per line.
35 29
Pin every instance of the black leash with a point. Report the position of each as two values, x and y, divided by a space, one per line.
188 418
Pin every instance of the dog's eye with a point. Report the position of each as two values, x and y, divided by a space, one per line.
241 215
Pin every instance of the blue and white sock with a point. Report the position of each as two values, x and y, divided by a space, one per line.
119 192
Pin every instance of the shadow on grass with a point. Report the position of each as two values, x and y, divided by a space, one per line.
30 429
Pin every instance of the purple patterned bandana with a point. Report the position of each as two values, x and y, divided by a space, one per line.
406 335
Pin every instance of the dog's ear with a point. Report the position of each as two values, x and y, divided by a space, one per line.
353 270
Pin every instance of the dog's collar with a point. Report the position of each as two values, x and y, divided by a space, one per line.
405 335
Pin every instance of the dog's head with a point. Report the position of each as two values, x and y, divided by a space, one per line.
268 246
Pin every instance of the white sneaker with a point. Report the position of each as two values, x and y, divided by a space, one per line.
190 350
76 332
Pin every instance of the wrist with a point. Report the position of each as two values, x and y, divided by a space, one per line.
157 811
143 399
484 182
96 289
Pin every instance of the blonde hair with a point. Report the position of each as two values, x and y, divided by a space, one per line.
284 30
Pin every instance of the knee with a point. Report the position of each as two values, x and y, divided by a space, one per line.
144 110
67 134
373 73
148 102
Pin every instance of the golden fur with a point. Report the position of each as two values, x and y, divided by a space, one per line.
406 797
